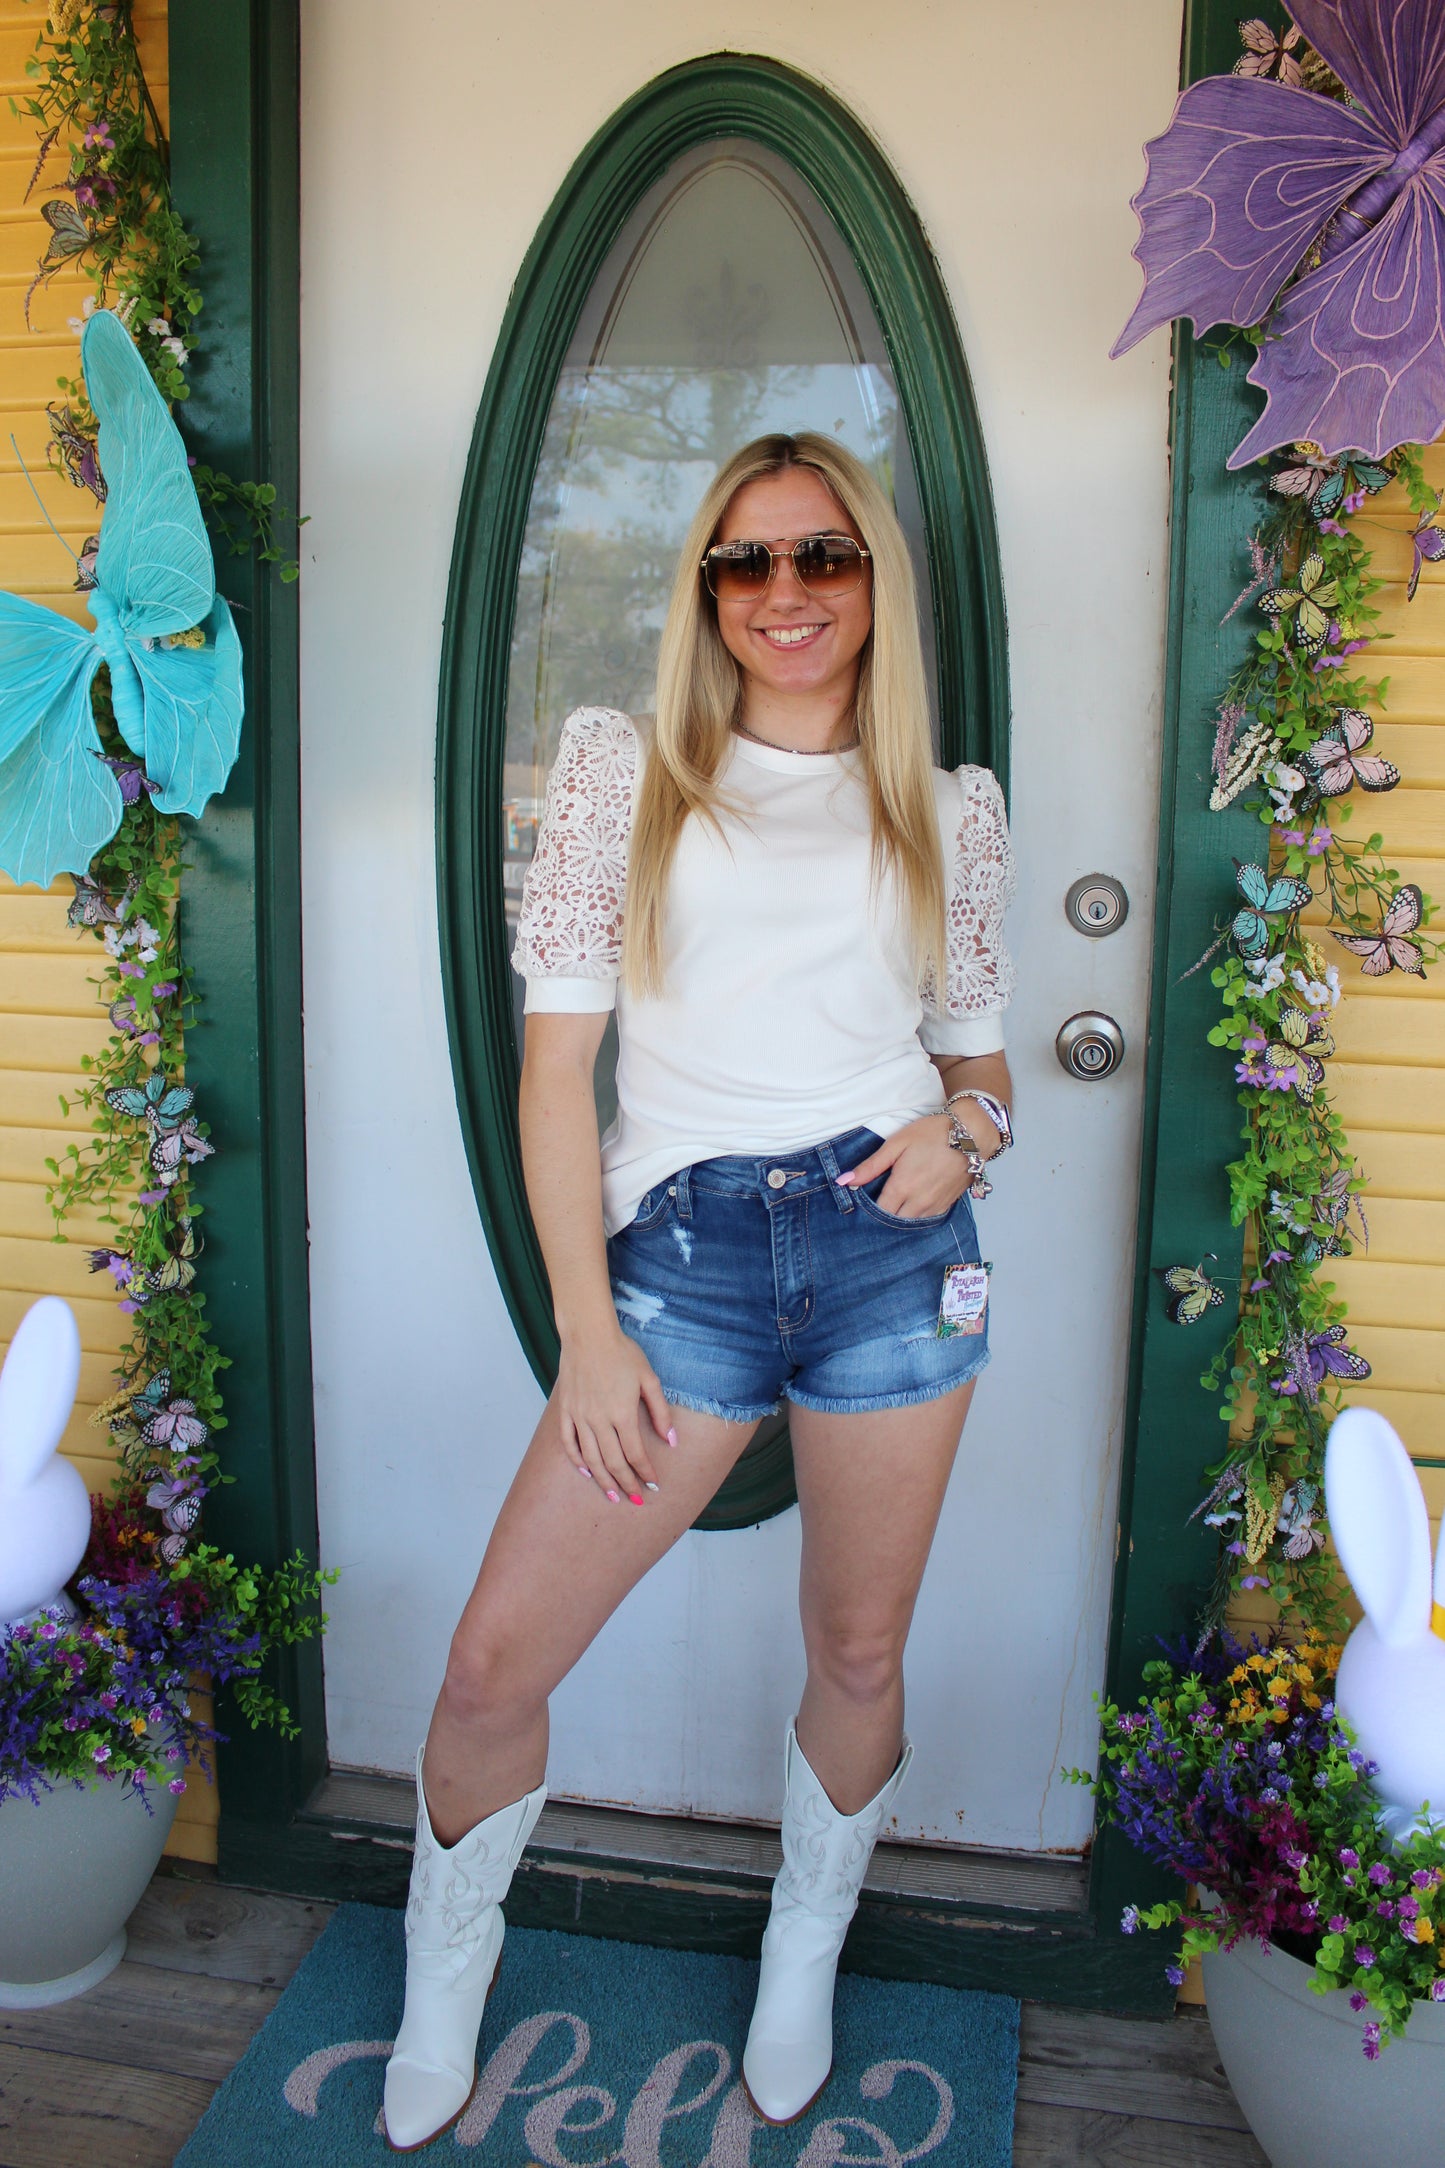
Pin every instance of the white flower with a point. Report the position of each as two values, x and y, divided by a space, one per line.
1268 974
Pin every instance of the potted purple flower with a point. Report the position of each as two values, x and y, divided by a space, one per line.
106 1619
1322 1937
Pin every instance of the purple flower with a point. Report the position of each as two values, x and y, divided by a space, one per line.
1364 1955
1339 1925
1379 1874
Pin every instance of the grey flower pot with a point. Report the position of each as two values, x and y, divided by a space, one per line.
72 1870
1299 2071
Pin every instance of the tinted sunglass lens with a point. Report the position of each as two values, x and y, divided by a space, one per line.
738 569
831 560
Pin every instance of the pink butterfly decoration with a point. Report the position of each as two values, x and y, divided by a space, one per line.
1391 948
1338 760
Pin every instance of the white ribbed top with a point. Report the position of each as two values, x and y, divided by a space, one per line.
791 1010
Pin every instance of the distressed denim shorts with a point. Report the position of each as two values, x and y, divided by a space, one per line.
747 1281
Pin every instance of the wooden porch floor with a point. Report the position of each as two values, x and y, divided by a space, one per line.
120 2077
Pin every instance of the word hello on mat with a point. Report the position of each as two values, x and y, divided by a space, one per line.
683 2082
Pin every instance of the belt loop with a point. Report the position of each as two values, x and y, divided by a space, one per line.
841 1197
684 1193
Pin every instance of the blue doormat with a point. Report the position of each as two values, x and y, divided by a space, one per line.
611 2052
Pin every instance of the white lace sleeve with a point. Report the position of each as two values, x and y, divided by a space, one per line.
979 872
569 935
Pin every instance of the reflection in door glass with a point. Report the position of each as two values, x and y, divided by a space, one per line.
728 306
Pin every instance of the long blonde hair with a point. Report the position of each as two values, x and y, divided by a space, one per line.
699 698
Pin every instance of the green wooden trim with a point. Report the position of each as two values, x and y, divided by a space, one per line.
235 170
723 94
1164 1565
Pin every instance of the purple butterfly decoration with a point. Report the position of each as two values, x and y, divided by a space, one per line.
1248 177
1426 542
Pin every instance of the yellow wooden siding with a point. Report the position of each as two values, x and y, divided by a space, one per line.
49 1014
1388 1078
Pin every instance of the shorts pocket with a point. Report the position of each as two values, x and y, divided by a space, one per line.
898 1219
652 1209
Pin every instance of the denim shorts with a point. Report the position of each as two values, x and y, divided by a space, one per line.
747 1281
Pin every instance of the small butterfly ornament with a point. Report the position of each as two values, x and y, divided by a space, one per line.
165 1109
1264 898
1391 949
1428 544
1338 761
1294 1058
1191 1292
177 706
1269 56
1308 603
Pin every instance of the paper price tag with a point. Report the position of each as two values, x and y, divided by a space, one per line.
965 1300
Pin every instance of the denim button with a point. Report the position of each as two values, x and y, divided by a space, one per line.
776 1178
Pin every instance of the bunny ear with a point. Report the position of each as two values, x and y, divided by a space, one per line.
37 1389
1379 1523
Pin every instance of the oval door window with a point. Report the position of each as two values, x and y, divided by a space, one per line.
727 304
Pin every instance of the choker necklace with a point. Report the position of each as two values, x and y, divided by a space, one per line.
813 752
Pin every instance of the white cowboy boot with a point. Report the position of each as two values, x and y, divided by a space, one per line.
789 2056
453 1947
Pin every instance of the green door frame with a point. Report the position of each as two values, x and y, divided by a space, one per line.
235 126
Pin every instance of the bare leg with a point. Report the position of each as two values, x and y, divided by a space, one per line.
871 1488
559 1562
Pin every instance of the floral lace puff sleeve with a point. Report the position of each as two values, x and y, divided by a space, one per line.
569 936
978 864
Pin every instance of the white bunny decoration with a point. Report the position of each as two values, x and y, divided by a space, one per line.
44 1507
1391 1683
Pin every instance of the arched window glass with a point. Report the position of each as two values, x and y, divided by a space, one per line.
728 306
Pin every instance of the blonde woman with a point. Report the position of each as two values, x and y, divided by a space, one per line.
798 920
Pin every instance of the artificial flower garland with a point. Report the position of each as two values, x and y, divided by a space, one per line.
108 1692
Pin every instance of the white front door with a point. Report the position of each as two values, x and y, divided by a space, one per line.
424 1400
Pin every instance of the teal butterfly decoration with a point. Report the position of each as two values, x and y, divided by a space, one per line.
1264 899
168 638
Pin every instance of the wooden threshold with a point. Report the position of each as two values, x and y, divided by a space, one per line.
382 1808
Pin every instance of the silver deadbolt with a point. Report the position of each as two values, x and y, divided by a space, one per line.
1096 905
1090 1045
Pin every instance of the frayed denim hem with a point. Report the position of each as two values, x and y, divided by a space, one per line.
868 1404
699 1406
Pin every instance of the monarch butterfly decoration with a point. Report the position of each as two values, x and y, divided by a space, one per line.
1391 949
1191 1292
1264 898
1338 761
1308 603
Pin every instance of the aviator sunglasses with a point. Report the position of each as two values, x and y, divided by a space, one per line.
825 564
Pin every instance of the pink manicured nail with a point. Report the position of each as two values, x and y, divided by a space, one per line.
672 1437
634 1498
613 1497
